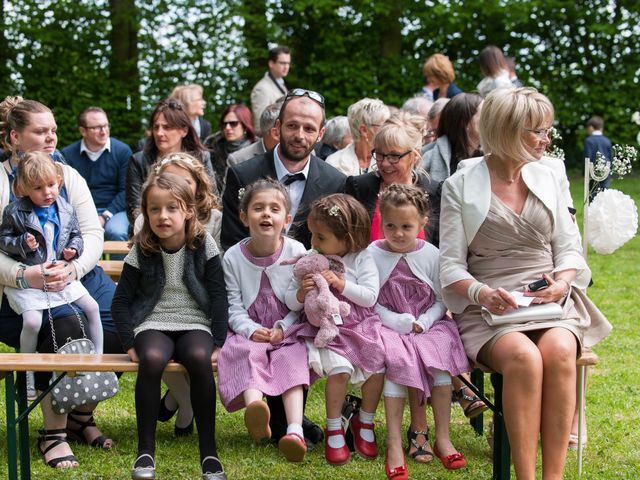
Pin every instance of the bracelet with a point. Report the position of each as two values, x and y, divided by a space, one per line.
21 282
473 292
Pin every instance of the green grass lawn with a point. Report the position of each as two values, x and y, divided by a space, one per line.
613 410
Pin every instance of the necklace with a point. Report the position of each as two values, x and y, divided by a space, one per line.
508 181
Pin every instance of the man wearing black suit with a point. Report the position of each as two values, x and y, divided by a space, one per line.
596 143
301 126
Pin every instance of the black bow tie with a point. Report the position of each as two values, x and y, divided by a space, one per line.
289 179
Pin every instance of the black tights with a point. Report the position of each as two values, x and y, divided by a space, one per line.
192 348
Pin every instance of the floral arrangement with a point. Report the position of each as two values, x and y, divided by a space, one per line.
623 158
554 150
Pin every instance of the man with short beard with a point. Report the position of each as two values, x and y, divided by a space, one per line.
301 126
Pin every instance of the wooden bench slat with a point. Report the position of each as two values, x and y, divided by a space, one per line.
113 268
46 362
115 246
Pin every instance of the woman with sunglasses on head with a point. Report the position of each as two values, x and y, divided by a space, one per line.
236 132
171 132
397 160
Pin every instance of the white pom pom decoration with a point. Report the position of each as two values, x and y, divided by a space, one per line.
613 221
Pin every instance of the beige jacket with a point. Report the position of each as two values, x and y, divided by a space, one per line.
264 93
80 198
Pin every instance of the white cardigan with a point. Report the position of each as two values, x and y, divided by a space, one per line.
346 160
424 263
243 284
362 283
466 197
79 197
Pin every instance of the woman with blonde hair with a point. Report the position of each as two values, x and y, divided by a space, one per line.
505 224
192 97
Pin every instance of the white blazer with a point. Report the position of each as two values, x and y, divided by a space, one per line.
466 197
243 284
346 160
555 164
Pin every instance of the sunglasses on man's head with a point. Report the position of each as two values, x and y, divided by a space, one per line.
301 92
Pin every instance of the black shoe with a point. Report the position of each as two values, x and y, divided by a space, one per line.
164 414
183 431
313 434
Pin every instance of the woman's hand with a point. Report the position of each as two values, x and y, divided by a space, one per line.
57 275
555 291
261 335
497 300
277 335
133 355
334 280
306 286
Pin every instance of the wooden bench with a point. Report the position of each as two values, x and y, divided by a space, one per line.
113 268
501 448
114 247
14 367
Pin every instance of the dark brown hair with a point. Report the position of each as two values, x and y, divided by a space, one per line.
82 116
260 185
492 61
176 117
397 195
454 120
275 52
147 240
345 217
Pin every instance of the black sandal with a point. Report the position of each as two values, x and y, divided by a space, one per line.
77 434
412 437
56 438
475 407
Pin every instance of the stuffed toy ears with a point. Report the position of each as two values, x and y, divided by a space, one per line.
336 264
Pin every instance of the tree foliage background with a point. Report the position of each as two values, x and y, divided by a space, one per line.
125 55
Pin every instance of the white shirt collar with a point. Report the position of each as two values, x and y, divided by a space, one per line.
596 132
93 156
281 170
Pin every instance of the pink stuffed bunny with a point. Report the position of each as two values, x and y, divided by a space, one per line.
320 305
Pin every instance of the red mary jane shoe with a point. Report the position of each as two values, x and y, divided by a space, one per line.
366 449
336 456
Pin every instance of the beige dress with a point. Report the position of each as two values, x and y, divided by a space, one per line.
510 251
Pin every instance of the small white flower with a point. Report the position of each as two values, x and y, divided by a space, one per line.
334 211
635 118
241 193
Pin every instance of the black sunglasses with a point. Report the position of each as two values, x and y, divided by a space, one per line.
232 124
301 92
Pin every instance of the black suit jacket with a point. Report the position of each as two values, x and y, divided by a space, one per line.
323 180
205 128
365 188
598 143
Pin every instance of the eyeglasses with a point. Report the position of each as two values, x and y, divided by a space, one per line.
301 92
96 128
541 133
232 124
392 158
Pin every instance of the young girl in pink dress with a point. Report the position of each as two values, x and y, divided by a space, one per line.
340 225
262 355
422 345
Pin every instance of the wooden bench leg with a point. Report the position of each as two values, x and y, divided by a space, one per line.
501 447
